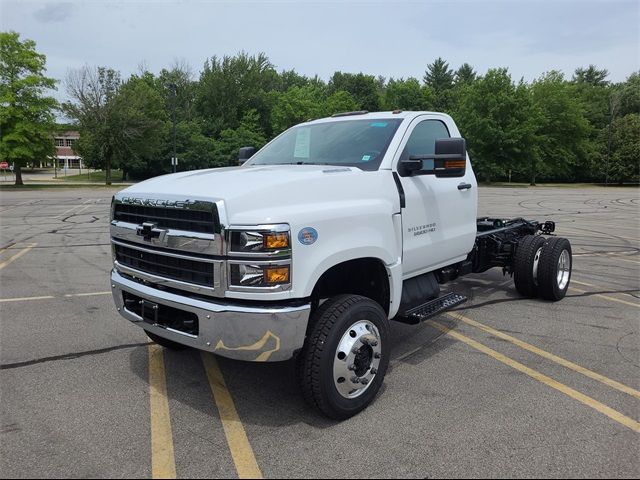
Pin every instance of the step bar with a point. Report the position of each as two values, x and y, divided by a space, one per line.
431 308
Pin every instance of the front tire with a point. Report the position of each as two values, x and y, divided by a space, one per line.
554 270
346 355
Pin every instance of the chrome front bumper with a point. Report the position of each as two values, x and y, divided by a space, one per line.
256 334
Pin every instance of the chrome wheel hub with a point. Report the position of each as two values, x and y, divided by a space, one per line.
357 359
564 269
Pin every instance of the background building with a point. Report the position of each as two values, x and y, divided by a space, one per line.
66 157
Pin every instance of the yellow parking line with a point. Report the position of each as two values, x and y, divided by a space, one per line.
162 458
606 297
549 356
241 451
17 255
26 299
570 392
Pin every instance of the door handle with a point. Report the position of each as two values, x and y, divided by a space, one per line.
464 186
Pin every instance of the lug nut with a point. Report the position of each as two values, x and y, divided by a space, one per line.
355 380
377 355
369 340
351 367
374 371
364 381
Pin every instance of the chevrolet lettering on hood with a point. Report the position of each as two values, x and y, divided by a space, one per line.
148 202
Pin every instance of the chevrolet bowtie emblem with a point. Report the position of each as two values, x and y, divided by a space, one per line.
148 231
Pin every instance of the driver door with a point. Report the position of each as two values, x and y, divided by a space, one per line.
439 219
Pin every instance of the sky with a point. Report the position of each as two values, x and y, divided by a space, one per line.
389 38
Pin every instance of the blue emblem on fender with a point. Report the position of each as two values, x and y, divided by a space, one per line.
307 235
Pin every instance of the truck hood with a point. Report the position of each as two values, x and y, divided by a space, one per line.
269 193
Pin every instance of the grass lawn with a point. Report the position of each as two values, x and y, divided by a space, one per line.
97 176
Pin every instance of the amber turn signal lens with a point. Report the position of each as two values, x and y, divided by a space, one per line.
275 275
276 240
454 164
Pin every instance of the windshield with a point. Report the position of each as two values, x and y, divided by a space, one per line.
353 143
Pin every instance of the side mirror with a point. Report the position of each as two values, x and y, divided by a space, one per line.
449 160
245 153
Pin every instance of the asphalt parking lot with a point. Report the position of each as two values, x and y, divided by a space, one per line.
501 387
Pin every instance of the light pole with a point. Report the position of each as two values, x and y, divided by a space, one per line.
173 87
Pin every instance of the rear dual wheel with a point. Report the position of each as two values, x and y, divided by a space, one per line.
542 267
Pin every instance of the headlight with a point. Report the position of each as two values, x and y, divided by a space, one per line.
260 258
267 239
257 275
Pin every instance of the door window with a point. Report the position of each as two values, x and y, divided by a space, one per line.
422 140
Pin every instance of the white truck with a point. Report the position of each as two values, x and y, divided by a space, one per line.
309 249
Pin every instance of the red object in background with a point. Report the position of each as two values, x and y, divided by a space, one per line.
4 165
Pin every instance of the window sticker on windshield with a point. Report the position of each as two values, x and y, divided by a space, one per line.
378 124
303 143
366 158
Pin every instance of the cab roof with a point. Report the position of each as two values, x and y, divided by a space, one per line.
364 115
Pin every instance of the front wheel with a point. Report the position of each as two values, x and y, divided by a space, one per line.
345 357
554 269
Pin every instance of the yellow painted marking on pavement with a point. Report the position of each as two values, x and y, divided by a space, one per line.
26 299
163 463
570 392
549 356
241 451
17 255
90 294
606 297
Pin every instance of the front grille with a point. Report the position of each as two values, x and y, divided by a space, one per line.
184 270
202 221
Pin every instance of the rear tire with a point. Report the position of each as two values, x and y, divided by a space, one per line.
526 265
171 345
554 270
345 357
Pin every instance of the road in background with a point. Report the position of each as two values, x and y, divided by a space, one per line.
84 395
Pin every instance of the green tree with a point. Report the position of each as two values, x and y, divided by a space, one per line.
141 119
120 124
407 95
27 115
337 102
562 130
498 120
248 134
591 75
230 87
363 88
297 104
439 77
624 161
464 75
629 95
193 149
180 75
